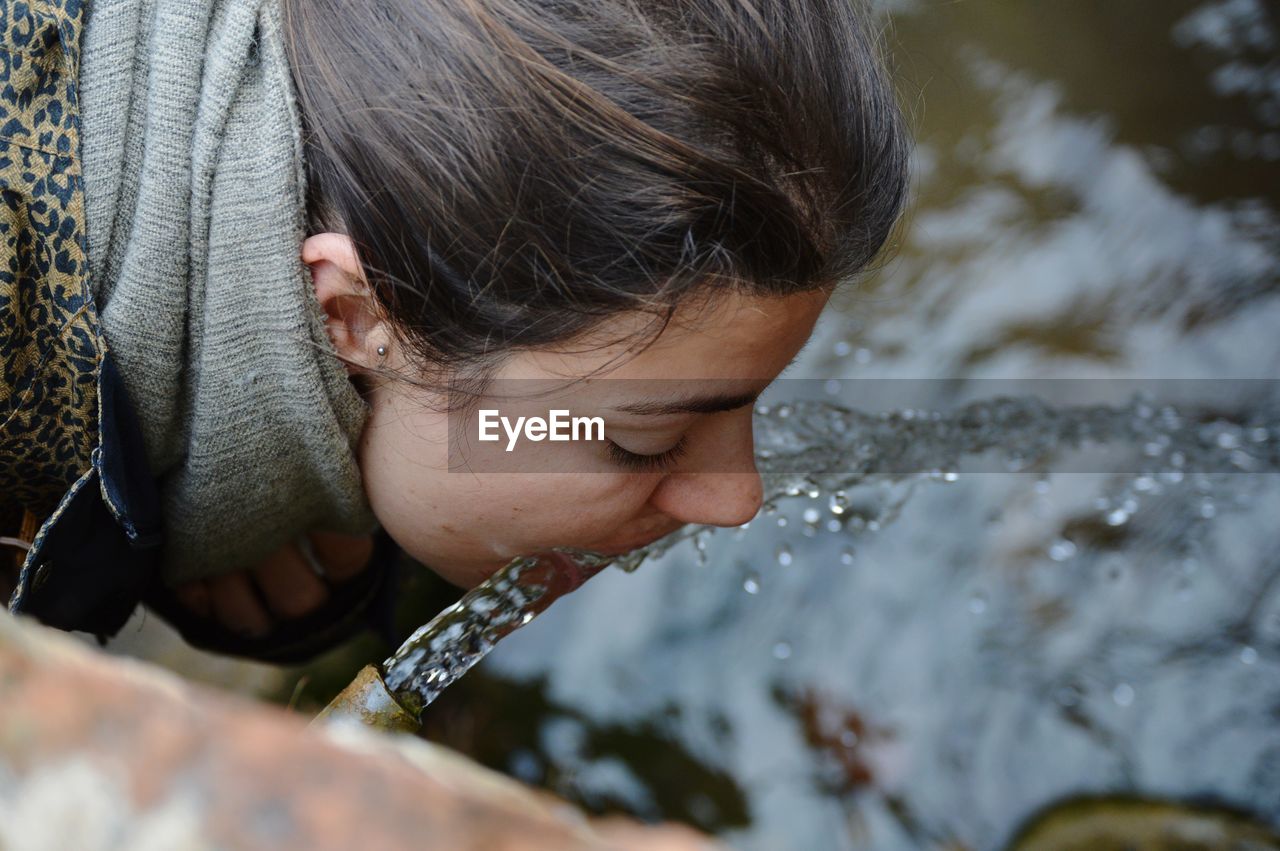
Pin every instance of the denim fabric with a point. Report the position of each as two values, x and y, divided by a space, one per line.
94 557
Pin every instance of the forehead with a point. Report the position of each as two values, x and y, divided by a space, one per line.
726 336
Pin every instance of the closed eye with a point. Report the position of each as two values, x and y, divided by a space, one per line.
646 463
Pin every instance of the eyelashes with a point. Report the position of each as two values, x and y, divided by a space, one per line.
646 463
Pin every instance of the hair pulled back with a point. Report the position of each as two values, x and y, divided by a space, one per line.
512 172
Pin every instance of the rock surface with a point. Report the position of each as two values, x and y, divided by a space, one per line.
103 753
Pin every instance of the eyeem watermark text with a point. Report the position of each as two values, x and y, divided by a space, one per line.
558 426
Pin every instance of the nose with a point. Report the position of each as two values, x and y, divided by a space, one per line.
712 499
700 491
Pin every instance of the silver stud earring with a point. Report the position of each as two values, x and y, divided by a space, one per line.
382 351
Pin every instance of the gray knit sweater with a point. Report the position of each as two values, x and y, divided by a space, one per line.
191 152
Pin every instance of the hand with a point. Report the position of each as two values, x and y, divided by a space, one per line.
284 582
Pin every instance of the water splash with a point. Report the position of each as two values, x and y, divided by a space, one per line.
811 448
437 654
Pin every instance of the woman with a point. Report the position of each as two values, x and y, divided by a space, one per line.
311 241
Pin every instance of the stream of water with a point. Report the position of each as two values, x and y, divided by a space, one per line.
816 449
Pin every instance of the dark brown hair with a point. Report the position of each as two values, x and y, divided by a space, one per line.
514 171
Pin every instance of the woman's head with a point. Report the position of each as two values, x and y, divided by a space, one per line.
581 187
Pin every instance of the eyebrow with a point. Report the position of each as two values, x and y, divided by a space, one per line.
691 405
702 404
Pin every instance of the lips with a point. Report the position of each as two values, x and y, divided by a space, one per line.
637 543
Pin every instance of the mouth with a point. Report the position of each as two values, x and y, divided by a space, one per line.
636 544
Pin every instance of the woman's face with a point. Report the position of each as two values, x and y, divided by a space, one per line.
466 508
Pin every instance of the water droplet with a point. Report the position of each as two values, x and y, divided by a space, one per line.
862 356
1258 435
846 555
978 603
1228 440
950 476
783 555
1042 486
751 584
839 503
782 650
525 618
1061 549
782 521
834 525
848 738
700 547
813 493
843 348
1123 694
784 411
1208 509
1144 484
831 387
1243 460
1248 655
1118 517
873 525
811 516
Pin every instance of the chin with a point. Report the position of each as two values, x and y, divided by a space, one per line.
465 577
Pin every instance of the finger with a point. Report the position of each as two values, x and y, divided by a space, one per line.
236 606
343 556
288 584
195 596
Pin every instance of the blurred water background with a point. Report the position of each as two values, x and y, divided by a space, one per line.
1096 190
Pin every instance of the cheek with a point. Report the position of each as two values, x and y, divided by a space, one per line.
444 517
401 456
518 513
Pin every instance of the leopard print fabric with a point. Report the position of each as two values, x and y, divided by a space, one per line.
51 344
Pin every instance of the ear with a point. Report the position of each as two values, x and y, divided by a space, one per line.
354 322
